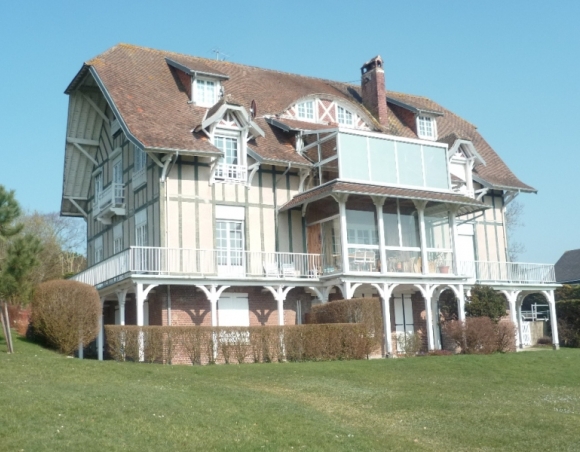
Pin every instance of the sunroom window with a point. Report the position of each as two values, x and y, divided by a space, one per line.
438 236
306 110
362 239
402 242
426 127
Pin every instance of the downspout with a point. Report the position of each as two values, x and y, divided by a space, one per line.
276 203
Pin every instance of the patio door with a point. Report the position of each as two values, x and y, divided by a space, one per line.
403 316
230 248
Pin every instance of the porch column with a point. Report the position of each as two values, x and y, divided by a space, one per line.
427 296
461 303
512 296
100 337
121 295
454 237
341 199
140 296
213 294
279 293
420 206
378 201
385 291
549 294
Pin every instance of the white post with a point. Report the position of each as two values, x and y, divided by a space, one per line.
553 319
81 350
512 297
343 230
379 201
519 324
461 303
429 319
386 302
140 300
420 206
454 238
100 337
121 294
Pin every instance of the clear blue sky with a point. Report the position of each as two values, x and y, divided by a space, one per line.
512 68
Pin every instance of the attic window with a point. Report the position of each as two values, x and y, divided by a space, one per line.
426 127
305 110
205 92
344 116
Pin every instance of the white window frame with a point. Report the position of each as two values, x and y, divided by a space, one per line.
98 253
205 101
302 110
118 238
99 185
422 130
226 171
344 113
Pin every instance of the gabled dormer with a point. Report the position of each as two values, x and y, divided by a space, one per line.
230 127
422 121
463 157
202 84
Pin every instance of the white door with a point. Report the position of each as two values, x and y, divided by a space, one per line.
466 250
233 310
230 248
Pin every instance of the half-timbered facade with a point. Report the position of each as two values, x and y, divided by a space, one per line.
222 194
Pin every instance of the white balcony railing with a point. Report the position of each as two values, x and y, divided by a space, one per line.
211 263
112 196
230 172
508 272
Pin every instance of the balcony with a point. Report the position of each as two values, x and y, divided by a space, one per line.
239 265
110 202
181 262
231 173
508 272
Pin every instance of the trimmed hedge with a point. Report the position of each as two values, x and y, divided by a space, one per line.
568 313
208 345
367 311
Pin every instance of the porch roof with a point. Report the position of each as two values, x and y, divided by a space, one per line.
467 204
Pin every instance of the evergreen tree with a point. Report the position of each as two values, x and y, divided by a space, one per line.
486 302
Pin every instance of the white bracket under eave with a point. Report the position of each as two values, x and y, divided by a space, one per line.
481 193
212 169
304 173
253 170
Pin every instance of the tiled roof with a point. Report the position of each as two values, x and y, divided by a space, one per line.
568 267
323 191
154 105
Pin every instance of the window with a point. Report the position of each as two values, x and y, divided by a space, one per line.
402 237
306 110
118 195
98 248
141 228
403 318
362 239
426 127
98 186
205 92
139 167
344 116
232 166
118 238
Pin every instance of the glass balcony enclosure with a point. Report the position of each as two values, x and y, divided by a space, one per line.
387 161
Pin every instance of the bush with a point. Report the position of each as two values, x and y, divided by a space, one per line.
486 302
207 345
480 335
409 344
66 313
568 313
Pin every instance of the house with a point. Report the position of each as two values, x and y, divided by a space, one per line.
568 267
222 194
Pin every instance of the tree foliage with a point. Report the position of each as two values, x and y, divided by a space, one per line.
66 313
9 212
486 302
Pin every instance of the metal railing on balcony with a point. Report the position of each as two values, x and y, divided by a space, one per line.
231 172
508 272
212 263
112 196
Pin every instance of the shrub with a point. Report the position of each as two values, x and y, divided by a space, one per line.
480 335
486 302
568 313
544 341
409 344
66 313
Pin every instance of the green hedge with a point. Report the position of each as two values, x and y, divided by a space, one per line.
568 313
206 345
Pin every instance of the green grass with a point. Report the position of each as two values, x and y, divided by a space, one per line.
523 401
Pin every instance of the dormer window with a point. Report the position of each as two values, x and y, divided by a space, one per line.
231 167
306 110
205 92
426 127
344 116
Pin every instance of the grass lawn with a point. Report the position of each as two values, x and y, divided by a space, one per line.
525 401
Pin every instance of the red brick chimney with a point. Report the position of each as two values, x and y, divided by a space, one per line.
374 94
